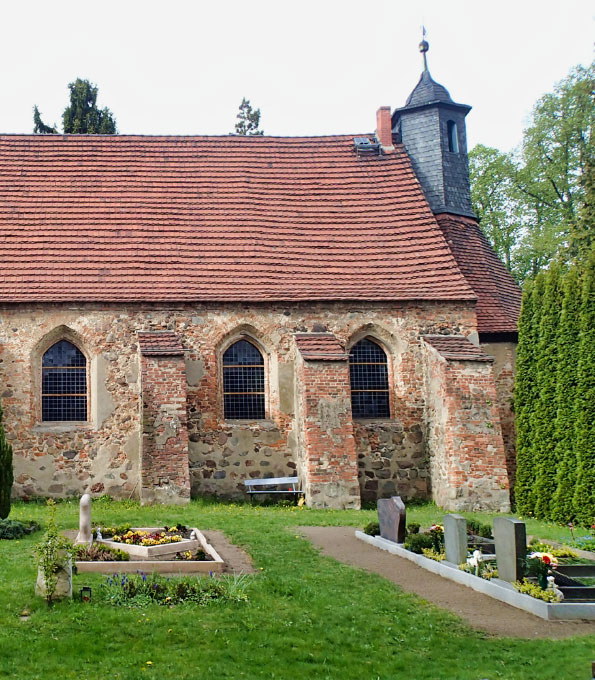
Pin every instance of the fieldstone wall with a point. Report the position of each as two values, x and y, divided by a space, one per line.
102 455
467 458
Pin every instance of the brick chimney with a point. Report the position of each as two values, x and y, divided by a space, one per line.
384 129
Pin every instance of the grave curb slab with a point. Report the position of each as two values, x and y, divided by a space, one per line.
497 589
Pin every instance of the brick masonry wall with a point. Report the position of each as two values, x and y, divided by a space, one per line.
468 462
165 475
103 455
504 354
329 464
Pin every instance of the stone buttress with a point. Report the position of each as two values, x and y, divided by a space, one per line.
464 435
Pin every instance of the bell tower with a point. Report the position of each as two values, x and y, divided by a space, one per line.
432 128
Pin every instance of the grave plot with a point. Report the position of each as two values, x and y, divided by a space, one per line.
496 562
163 550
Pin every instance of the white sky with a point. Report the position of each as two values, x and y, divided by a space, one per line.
312 66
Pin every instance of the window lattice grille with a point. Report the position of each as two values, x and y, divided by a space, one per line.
368 374
243 382
64 383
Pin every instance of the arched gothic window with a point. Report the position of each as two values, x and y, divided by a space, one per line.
368 374
243 382
64 383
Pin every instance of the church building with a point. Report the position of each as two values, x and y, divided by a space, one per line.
179 314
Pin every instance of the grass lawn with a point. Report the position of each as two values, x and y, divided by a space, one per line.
307 616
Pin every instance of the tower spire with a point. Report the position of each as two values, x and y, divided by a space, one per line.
424 47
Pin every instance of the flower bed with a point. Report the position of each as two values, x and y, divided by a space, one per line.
141 589
147 538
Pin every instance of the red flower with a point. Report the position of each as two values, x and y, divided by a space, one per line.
545 559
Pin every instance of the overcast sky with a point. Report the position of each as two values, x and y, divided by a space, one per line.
313 67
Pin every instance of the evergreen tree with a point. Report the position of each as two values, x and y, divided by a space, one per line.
584 497
39 127
562 509
6 474
544 416
81 116
524 396
248 119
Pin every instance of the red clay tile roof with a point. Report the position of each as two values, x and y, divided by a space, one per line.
456 347
155 343
320 347
132 218
498 295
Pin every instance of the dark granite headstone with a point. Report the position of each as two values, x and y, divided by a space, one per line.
511 548
391 517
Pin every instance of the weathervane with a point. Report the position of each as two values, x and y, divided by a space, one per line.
424 46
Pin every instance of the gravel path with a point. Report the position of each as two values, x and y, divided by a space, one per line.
480 611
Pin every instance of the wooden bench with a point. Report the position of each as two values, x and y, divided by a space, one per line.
254 486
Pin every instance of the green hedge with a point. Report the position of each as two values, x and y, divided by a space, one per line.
555 395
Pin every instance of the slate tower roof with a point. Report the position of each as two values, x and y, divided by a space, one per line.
427 91
432 128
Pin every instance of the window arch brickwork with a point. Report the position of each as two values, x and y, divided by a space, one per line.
243 382
368 374
64 383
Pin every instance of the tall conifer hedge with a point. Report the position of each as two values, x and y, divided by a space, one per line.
544 415
6 474
562 508
584 497
555 395
524 392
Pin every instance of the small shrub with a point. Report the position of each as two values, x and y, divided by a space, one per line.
585 543
437 533
99 553
478 529
563 551
12 528
431 554
372 529
53 554
413 528
417 542
528 588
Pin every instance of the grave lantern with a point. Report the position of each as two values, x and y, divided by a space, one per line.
85 594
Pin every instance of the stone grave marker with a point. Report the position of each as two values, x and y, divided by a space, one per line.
455 538
392 518
84 535
511 548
